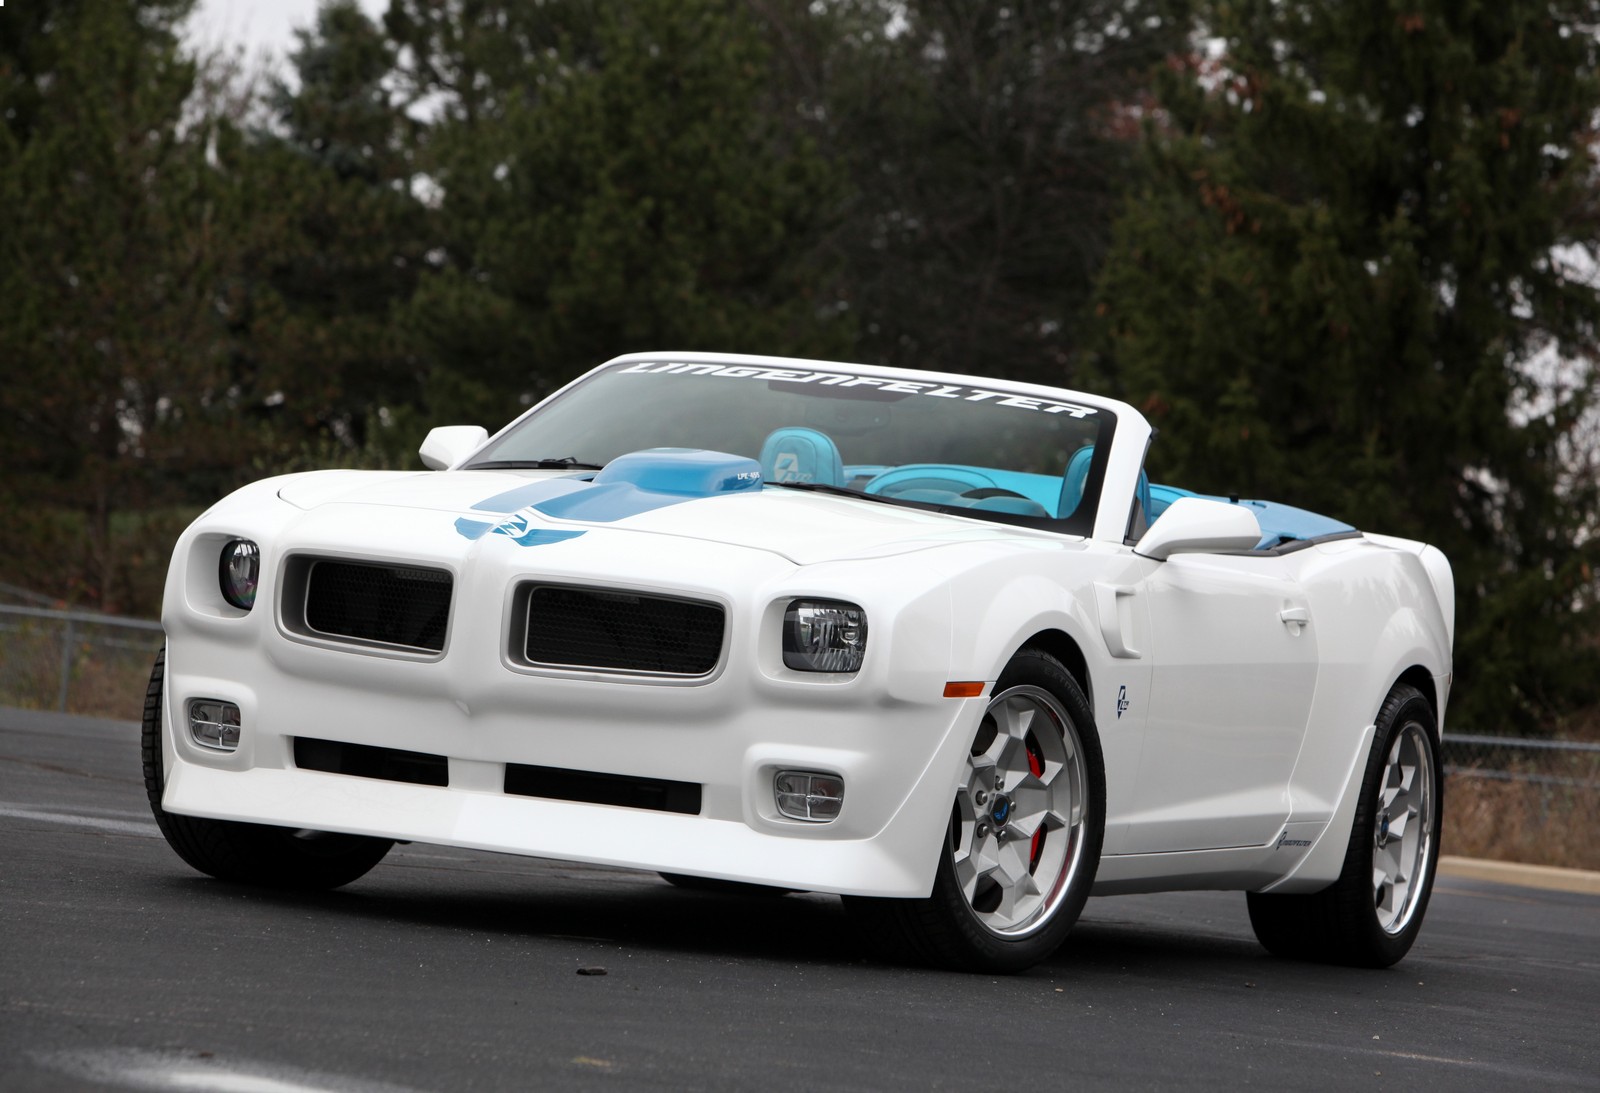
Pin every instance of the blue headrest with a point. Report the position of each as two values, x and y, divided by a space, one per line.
795 454
1077 475
1072 482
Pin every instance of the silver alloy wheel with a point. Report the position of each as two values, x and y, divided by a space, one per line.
1016 839
1402 830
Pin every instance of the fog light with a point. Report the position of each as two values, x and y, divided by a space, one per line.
806 795
214 724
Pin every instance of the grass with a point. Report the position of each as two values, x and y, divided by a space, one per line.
1527 822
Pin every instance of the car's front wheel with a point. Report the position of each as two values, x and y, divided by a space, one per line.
279 857
1370 916
1024 838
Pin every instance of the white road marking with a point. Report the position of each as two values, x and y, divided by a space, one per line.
121 827
167 1070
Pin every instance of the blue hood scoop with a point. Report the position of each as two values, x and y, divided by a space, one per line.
689 472
629 485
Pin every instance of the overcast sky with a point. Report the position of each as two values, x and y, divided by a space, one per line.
261 26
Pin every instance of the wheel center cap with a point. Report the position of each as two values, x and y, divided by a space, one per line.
1001 809
1383 829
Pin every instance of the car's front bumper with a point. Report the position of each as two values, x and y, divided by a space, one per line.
888 732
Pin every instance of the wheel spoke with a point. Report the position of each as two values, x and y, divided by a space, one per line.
1388 793
967 876
1013 761
1015 897
1013 858
1397 825
981 770
1012 717
1029 805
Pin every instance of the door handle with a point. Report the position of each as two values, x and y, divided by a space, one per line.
1295 618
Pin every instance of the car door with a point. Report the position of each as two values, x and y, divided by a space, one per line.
1234 667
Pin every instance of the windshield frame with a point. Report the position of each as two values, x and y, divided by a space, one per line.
1086 519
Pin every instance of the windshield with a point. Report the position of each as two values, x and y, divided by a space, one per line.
985 452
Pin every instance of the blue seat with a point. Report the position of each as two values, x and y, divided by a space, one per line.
798 454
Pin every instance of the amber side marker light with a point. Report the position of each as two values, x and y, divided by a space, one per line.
964 690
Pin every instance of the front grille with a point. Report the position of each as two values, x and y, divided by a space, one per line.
381 604
620 631
590 787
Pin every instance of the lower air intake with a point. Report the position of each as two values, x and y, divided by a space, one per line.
364 761
587 787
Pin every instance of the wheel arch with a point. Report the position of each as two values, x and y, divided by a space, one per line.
1061 645
1423 680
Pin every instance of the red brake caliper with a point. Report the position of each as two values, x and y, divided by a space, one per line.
1036 767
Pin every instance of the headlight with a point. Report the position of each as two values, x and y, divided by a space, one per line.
238 571
824 636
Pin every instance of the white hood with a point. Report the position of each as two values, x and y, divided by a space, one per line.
803 527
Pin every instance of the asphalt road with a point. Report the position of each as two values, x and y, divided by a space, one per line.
453 970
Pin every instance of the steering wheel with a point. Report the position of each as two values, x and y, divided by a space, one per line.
994 491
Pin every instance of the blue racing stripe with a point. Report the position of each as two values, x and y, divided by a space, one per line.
631 484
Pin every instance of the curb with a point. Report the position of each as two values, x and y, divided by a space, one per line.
1581 881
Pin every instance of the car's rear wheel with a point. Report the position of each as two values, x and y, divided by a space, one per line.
280 857
1371 915
1024 838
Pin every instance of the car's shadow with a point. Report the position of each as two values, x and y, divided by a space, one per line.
640 911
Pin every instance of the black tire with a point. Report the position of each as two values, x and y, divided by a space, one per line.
953 929
722 887
277 857
1348 922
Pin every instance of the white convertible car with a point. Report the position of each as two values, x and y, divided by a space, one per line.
931 642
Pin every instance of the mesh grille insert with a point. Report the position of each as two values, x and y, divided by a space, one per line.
622 631
388 604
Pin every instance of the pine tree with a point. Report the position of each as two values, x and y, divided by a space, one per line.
110 246
1365 248
988 147
608 179
334 238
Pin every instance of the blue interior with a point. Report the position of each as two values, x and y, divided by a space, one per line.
797 454
989 488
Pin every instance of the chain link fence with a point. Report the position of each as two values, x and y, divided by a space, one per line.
1532 801
75 661
1506 798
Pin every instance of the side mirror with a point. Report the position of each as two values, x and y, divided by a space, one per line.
448 445
1192 525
